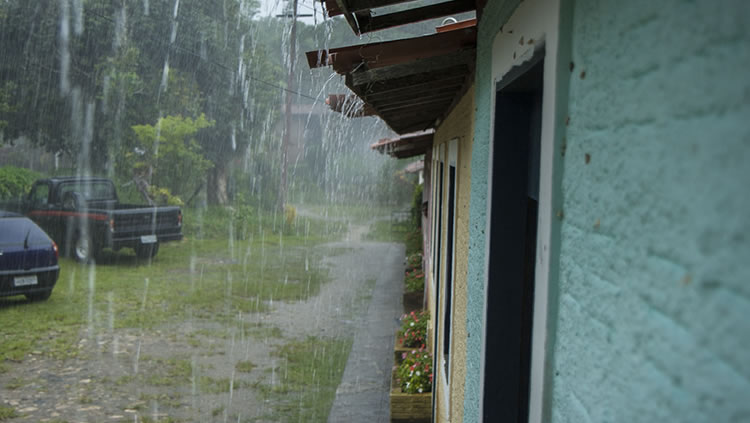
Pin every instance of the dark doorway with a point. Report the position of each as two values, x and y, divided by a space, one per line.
449 270
512 246
436 273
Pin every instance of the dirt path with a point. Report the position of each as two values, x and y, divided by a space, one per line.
179 373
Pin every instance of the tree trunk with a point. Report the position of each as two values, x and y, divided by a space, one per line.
217 185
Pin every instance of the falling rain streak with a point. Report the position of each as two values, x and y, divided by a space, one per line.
250 314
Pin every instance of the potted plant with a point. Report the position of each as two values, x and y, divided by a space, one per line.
412 334
413 283
411 388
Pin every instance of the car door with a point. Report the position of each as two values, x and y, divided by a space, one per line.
38 207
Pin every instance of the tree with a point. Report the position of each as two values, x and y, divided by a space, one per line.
168 155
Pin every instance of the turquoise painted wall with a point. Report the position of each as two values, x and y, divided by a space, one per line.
654 289
495 15
652 303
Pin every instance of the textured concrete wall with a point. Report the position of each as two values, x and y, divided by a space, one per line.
459 124
652 301
494 15
654 290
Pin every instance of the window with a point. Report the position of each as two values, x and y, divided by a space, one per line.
40 195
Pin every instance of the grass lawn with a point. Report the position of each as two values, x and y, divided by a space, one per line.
203 278
215 274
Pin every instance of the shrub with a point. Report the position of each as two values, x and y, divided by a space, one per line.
414 261
415 372
290 213
413 332
15 182
414 280
416 206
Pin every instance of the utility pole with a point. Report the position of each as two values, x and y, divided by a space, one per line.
288 109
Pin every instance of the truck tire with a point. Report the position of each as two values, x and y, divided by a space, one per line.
146 251
83 248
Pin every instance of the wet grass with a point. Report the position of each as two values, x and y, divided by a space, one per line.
356 213
7 413
310 373
198 278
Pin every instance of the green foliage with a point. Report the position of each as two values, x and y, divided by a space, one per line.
290 214
5 106
414 280
16 182
415 372
416 206
162 196
414 261
171 154
7 413
245 366
413 331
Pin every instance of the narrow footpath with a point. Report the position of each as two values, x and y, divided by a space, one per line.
362 395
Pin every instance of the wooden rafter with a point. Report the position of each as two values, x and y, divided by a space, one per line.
431 64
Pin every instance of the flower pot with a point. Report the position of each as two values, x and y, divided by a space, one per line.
413 301
409 408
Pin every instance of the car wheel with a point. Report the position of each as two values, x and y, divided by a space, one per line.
83 248
146 251
39 296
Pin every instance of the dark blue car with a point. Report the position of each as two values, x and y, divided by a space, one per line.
28 258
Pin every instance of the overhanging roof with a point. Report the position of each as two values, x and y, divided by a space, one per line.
362 18
415 167
348 104
412 83
405 146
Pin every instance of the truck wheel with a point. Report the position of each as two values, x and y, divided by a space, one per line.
146 251
83 248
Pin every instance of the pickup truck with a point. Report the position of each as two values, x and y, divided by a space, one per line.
84 215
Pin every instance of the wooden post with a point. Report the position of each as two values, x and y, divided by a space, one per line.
288 111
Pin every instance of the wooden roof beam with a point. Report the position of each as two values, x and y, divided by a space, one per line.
430 64
457 79
433 102
415 98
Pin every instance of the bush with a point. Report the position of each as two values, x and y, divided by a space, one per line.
414 280
413 332
415 372
414 261
416 206
15 182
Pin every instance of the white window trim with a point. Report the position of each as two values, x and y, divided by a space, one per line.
437 158
536 20
452 160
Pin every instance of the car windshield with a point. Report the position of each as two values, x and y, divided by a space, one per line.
91 190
